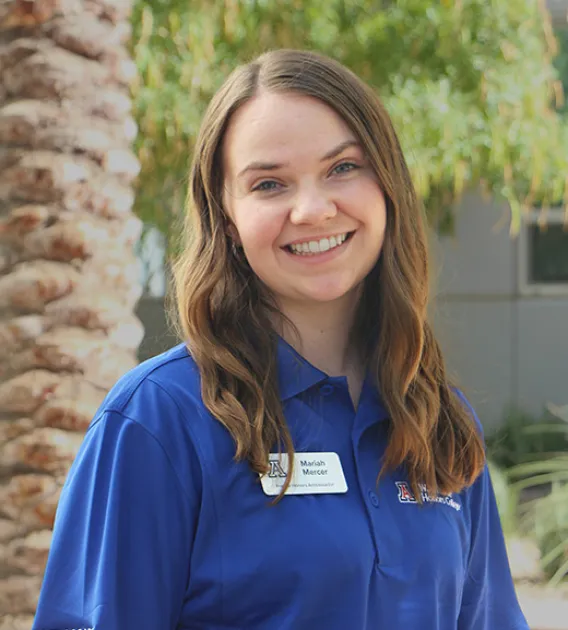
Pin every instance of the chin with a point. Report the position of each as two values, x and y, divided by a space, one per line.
328 295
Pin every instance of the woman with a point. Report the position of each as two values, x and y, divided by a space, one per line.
302 462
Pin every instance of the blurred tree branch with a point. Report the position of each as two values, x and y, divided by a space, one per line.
470 84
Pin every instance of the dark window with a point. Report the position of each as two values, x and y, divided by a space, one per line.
548 254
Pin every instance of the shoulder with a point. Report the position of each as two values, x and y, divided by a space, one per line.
469 408
480 495
163 383
161 395
150 414
479 492
173 372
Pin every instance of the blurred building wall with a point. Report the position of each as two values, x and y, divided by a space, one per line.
506 345
558 10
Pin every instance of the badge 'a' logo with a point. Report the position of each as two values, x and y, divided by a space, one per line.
276 469
405 494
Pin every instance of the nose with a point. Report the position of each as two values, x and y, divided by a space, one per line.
312 207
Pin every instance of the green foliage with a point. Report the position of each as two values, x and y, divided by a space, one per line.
507 499
561 64
546 472
469 84
521 438
546 519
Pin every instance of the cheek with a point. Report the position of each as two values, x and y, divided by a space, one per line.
364 200
258 231
376 214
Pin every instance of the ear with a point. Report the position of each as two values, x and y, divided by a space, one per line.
232 231
234 234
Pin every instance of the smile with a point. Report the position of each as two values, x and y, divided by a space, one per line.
309 248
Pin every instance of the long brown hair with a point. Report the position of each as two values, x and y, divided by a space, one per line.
225 312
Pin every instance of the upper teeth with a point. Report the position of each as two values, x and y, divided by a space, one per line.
315 247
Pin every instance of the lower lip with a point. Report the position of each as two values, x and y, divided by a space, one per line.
321 257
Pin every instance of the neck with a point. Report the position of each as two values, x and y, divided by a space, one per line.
322 334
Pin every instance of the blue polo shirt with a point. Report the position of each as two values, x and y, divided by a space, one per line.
158 528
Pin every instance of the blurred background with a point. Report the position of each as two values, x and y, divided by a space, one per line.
100 102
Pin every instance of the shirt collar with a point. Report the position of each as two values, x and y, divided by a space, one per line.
295 374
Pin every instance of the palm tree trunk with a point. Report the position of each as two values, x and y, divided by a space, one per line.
69 279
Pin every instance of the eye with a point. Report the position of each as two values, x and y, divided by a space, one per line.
268 185
344 167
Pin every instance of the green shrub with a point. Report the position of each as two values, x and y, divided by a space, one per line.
547 520
522 438
507 499
543 448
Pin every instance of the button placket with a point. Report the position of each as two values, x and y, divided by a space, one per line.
373 499
326 389
370 498
334 391
369 440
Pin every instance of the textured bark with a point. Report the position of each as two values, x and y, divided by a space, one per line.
69 280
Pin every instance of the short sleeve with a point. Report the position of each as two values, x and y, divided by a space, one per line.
121 547
489 600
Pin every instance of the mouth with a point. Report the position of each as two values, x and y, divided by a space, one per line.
319 246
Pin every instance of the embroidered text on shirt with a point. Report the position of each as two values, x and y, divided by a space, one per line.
405 495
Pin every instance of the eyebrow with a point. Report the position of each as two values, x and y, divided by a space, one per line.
272 166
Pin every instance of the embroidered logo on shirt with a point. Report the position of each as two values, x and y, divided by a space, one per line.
405 495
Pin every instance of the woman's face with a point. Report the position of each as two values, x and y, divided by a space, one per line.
306 206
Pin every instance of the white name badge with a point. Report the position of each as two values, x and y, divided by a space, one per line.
314 473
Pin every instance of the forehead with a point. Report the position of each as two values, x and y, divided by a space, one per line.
272 125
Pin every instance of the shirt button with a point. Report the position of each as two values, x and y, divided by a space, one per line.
373 498
326 390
